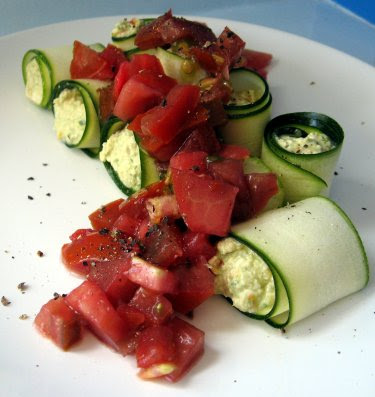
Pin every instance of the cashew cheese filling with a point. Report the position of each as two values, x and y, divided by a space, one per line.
70 116
34 82
243 276
126 27
122 152
304 142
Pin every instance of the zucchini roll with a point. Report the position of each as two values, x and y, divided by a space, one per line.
303 149
290 262
76 110
249 110
130 167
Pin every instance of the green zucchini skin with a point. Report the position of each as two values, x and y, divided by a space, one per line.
127 43
89 91
246 123
314 252
149 171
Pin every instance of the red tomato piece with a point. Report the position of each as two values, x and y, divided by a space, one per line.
114 56
88 64
83 252
233 152
111 278
151 277
90 301
189 342
163 245
156 307
256 60
155 345
106 215
122 76
262 187
157 81
202 139
197 244
196 284
231 171
131 315
106 102
79 233
135 98
232 44
190 161
206 205
162 207
59 323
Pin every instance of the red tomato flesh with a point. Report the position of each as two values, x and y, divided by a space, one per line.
105 216
59 323
262 187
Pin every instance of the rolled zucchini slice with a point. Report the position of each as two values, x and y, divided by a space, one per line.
303 149
311 249
124 32
42 70
249 110
130 167
76 110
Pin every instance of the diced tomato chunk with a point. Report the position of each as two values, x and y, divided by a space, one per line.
202 139
80 233
196 284
234 152
205 204
150 276
196 245
105 216
90 301
111 278
189 342
156 307
262 187
59 323
106 102
190 161
114 56
162 207
256 60
131 315
89 64
78 255
155 346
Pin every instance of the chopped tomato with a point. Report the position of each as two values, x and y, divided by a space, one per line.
151 276
205 204
155 346
189 342
111 278
232 44
90 301
106 102
106 215
114 56
163 244
131 315
262 187
79 233
202 139
234 152
256 60
195 285
89 64
196 245
59 323
156 307
82 252
162 207
190 161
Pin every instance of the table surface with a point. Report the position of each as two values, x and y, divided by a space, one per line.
320 20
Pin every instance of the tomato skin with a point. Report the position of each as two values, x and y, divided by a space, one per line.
262 187
59 323
190 161
189 342
133 317
88 64
111 278
196 284
92 304
155 346
114 56
202 139
105 216
256 60
150 276
205 204
196 245
234 152
156 307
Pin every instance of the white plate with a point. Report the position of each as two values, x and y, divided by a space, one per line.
329 354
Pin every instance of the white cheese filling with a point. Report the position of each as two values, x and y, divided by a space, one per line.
34 82
126 28
245 97
70 116
122 152
243 276
313 143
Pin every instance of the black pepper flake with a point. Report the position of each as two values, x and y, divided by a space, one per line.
152 229
56 295
312 83
48 194
235 381
5 301
195 168
335 173
164 220
103 209
30 197
339 352
23 317
22 287
85 263
283 330
64 295
30 178
44 164
103 231
40 253
364 208
363 123
83 202
163 103
308 212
